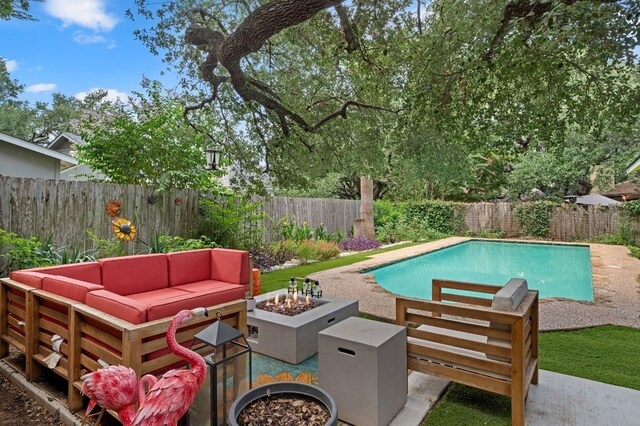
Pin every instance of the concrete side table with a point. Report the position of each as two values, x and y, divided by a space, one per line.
363 365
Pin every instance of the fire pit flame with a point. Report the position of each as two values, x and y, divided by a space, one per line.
290 306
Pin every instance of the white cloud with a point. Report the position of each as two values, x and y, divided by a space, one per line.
12 65
41 87
112 94
83 38
36 68
85 13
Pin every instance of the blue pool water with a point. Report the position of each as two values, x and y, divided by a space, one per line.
554 270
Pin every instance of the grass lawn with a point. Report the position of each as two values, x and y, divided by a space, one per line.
280 279
606 354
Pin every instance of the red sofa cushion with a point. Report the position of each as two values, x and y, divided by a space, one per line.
119 306
189 266
86 271
155 295
68 287
28 277
231 266
135 274
206 285
169 307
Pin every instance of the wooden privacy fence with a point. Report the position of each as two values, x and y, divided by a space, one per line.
333 214
65 210
567 223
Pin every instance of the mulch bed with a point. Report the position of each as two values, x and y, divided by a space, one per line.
284 410
17 409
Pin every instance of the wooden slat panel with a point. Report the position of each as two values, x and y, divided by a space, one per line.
452 324
161 342
459 342
101 335
61 369
471 362
460 285
14 340
99 351
16 311
19 299
461 376
15 323
90 364
46 341
168 359
56 315
475 312
458 298
53 328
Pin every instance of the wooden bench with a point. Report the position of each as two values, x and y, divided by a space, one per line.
463 339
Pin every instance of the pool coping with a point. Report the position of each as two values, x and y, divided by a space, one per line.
616 293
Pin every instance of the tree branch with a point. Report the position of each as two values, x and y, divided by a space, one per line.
249 37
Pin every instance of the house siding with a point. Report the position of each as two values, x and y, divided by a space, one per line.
19 162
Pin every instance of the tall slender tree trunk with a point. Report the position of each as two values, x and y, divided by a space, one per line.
364 226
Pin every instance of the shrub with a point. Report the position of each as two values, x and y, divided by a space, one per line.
359 244
631 208
310 250
266 256
534 217
169 244
20 253
635 252
612 239
442 216
231 221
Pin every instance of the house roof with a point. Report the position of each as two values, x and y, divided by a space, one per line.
595 200
624 188
634 166
71 137
65 159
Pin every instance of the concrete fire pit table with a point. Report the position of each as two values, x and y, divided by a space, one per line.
295 338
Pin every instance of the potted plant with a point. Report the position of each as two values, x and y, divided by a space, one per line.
291 400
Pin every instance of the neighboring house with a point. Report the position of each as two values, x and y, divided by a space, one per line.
625 191
67 143
20 158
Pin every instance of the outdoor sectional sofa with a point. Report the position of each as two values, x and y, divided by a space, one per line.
117 310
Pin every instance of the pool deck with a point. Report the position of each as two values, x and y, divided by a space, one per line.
616 291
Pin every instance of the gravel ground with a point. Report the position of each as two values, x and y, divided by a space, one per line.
617 296
18 409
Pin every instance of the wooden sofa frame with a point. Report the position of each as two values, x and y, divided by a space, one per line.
472 343
29 317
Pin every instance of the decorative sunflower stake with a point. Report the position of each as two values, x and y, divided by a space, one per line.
124 229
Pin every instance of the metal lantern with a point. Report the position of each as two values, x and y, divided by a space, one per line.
229 373
213 158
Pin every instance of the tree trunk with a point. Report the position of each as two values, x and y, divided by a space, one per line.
366 207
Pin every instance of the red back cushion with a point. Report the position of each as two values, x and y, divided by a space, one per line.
135 274
68 287
231 266
118 306
30 278
189 266
87 271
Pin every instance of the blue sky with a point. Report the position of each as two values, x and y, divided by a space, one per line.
76 46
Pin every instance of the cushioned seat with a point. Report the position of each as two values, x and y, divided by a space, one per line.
154 295
135 274
206 285
171 306
68 287
119 306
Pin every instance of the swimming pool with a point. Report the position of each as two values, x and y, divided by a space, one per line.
553 269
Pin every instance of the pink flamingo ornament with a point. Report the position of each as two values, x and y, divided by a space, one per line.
115 388
172 395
